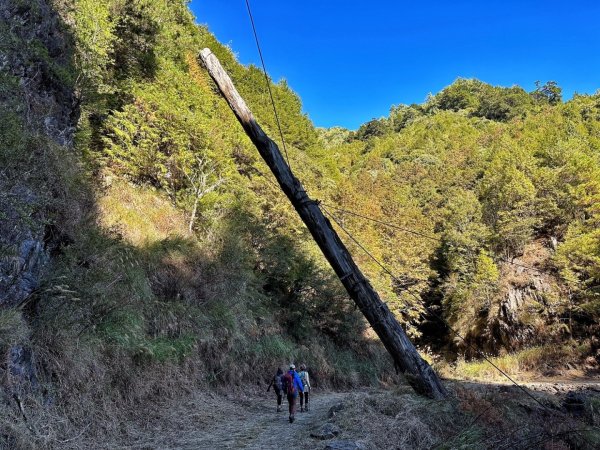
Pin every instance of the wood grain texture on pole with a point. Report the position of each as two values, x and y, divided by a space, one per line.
418 372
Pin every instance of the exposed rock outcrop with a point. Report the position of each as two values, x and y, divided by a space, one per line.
327 431
519 299
38 100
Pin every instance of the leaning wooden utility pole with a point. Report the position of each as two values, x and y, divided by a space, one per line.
418 373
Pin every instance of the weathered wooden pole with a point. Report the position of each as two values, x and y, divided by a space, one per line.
418 373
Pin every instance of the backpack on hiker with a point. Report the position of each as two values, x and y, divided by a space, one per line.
289 387
304 378
278 383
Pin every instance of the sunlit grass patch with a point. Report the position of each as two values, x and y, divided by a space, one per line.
140 214
527 363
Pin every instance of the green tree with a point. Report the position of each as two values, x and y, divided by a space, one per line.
371 129
502 104
460 95
549 92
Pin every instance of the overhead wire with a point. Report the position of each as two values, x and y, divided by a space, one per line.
430 311
407 230
426 236
363 248
267 81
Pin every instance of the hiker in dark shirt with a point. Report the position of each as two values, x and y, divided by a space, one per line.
277 384
292 385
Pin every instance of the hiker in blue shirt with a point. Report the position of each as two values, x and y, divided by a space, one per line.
292 385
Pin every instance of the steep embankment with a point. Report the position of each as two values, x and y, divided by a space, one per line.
38 116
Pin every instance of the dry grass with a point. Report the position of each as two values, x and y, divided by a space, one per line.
13 329
400 419
142 215
476 416
531 363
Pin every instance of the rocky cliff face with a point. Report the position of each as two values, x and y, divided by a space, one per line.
34 56
528 302
38 113
527 309
519 299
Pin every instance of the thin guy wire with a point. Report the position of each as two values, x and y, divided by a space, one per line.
378 221
267 82
385 269
383 223
441 319
267 179
407 230
426 236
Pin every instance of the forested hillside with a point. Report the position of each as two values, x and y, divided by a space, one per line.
146 249
502 188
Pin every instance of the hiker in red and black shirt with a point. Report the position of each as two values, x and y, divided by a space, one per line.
292 385
277 383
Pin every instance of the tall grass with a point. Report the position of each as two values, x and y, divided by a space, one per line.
528 363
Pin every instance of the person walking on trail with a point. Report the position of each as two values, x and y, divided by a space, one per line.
277 384
306 388
292 385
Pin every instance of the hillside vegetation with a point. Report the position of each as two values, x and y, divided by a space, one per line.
487 176
503 187
145 249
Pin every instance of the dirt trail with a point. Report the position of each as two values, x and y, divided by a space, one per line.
206 420
255 424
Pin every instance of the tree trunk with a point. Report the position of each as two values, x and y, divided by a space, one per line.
418 373
193 215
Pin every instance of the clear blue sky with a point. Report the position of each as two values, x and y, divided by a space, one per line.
351 60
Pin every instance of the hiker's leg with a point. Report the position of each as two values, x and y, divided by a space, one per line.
292 402
306 400
301 401
279 397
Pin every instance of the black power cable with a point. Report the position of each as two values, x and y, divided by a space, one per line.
433 313
426 236
268 82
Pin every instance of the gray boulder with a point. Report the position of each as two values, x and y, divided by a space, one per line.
335 409
327 431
